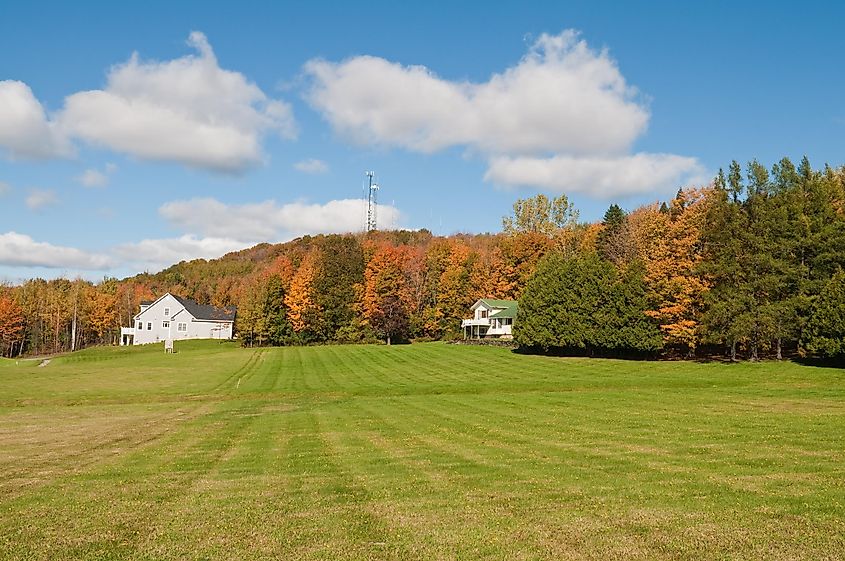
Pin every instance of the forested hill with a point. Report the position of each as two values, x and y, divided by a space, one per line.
221 281
750 265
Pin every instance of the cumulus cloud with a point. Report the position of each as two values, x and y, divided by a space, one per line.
188 110
562 96
40 198
214 228
94 178
311 166
25 130
601 177
156 254
563 101
268 220
20 250
5 188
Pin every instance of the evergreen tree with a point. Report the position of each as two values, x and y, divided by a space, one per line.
825 334
583 303
615 242
726 319
278 329
340 269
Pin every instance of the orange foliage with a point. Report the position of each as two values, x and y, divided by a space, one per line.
589 241
11 322
386 297
299 298
514 261
670 246
103 314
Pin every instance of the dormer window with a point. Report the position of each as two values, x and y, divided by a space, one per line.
167 312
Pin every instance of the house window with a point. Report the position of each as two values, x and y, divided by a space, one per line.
149 326
181 327
165 324
140 325
483 314
167 312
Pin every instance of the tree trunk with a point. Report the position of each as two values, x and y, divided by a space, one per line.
73 330
733 351
780 354
388 340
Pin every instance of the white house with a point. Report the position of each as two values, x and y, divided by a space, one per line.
175 318
491 318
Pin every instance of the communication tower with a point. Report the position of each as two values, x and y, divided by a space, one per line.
372 201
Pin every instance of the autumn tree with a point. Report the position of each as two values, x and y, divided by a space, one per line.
303 311
11 325
103 313
514 260
460 284
386 298
668 240
541 215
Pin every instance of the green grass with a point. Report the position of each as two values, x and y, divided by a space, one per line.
427 451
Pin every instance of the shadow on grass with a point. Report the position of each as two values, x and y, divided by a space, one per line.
837 363
578 352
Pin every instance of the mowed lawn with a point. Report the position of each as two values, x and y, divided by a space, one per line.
427 451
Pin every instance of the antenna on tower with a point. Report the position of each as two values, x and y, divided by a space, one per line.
372 202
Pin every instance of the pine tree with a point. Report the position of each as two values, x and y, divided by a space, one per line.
583 303
615 242
339 269
825 334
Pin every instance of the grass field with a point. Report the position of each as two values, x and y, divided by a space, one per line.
427 451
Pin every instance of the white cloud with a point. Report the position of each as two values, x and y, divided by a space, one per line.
93 178
311 165
562 96
156 254
270 221
600 177
25 130
20 250
5 188
40 198
187 110
563 106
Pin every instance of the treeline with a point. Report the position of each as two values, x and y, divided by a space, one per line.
749 266
42 316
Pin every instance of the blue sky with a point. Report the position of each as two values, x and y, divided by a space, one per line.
254 121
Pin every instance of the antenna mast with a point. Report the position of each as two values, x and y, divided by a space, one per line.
372 202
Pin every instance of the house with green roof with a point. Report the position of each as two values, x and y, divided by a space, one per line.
490 318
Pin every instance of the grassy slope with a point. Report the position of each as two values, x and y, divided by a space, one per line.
416 452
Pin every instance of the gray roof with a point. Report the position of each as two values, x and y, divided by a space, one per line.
205 312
